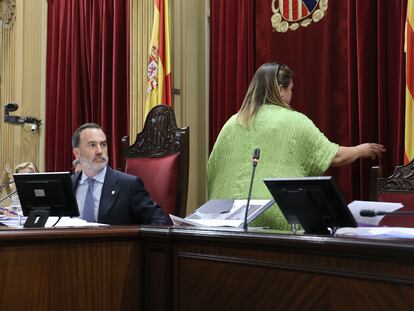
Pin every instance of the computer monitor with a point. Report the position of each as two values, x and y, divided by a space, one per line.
45 194
315 203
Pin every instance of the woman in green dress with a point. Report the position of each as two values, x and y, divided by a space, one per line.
290 143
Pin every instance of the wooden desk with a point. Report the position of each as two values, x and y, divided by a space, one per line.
70 269
162 268
211 270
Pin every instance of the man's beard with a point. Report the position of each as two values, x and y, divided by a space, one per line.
92 165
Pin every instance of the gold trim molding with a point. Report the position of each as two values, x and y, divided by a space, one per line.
7 12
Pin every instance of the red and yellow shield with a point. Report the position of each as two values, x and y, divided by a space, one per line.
292 14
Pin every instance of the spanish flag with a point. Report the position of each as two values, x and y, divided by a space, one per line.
409 90
159 68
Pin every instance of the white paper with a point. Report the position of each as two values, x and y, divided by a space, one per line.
356 206
178 221
395 232
14 222
226 217
70 222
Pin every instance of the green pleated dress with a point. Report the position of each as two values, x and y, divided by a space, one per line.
290 144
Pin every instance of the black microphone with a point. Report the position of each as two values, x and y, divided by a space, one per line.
6 184
374 213
256 156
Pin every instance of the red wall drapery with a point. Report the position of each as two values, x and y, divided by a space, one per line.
87 74
232 58
349 74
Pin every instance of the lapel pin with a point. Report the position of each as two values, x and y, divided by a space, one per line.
113 192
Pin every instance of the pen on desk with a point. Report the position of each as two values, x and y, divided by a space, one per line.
8 211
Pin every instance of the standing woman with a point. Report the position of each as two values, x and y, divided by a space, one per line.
290 143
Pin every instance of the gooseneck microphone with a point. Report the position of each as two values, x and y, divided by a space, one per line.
6 184
374 213
7 196
255 160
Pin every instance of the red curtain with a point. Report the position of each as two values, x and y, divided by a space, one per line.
349 76
232 58
87 75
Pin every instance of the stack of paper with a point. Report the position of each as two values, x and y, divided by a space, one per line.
368 226
223 213
386 232
17 222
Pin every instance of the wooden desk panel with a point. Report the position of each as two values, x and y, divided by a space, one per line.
70 269
163 268
239 271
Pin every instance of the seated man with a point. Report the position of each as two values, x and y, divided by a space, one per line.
105 195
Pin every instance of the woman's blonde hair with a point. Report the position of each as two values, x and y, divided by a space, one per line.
24 165
264 89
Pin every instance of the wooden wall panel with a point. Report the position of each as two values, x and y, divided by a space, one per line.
70 269
22 82
236 270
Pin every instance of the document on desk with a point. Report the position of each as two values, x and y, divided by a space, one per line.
16 222
368 226
357 206
70 222
223 213
385 232
178 221
9 221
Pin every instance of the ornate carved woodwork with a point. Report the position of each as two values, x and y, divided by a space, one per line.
401 180
7 12
160 135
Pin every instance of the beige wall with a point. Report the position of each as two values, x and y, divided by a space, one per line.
23 82
191 76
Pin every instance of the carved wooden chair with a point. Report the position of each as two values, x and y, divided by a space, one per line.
399 187
160 157
375 174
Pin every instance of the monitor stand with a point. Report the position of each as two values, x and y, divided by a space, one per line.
36 219
299 208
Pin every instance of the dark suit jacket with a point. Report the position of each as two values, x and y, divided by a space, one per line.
125 201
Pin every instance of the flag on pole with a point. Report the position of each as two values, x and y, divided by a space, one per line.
159 68
409 90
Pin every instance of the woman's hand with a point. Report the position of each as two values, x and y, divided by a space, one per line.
370 150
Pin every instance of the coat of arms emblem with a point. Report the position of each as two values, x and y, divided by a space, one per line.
291 14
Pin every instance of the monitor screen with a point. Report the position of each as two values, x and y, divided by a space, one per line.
51 192
313 202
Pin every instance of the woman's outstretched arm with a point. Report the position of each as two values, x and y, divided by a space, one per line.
346 155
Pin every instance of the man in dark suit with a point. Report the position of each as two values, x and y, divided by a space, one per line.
103 194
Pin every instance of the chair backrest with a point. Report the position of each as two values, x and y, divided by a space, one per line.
375 174
399 187
160 157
